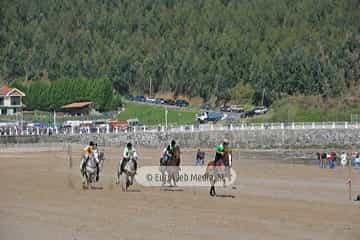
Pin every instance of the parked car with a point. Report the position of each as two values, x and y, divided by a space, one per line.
150 100
225 109
260 110
159 101
181 103
130 98
169 102
209 117
236 108
140 98
247 114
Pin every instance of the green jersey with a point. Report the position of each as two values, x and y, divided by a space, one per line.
219 148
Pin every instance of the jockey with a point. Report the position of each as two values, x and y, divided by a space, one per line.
220 151
169 151
128 152
87 152
89 148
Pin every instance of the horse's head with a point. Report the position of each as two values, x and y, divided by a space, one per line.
176 155
177 152
101 156
95 155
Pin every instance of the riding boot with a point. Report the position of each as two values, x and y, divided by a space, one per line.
123 162
97 172
135 165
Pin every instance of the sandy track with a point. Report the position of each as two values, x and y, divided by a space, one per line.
41 198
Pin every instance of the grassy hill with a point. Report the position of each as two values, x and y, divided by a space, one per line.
153 115
312 109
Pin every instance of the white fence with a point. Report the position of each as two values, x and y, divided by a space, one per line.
16 131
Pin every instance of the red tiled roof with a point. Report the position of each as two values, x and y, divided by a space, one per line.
5 90
77 105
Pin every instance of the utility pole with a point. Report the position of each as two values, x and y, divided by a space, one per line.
150 87
22 119
54 118
262 99
166 120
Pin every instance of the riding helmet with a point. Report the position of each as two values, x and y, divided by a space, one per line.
91 143
173 142
129 145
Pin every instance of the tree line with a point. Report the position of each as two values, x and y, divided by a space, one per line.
46 95
207 48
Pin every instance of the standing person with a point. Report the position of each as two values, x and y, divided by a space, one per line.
344 160
328 159
334 159
200 158
323 160
357 161
318 156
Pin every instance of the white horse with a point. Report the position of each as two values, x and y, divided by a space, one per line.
127 176
90 172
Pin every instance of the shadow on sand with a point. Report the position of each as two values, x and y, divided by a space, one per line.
133 190
225 195
172 189
92 188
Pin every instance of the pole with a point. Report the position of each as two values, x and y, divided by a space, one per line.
262 99
54 119
150 87
22 119
166 120
69 155
349 179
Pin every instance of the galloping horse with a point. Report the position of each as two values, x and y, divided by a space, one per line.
219 171
171 167
90 172
127 176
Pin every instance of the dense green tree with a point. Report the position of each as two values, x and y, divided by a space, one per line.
199 47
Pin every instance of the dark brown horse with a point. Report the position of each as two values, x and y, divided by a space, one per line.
219 171
171 167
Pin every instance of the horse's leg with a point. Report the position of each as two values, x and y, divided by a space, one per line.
224 180
171 178
212 190
175 178
132 180
83 180
87 179
118 175
163 175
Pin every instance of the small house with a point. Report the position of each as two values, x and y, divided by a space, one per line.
78 108
10 100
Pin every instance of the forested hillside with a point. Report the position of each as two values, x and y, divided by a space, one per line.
203 48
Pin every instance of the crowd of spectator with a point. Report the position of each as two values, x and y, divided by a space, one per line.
331 159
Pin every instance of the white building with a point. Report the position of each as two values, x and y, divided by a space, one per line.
10 100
